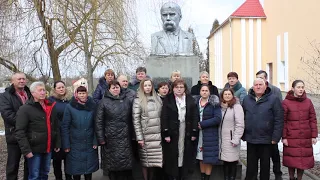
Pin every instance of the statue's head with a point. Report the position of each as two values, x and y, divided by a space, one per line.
170 16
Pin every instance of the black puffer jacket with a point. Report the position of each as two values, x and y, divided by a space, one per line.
37 130
114 127
9 105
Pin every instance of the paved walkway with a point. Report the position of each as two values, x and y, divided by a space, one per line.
217 173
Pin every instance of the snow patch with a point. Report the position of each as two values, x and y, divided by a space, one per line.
1 133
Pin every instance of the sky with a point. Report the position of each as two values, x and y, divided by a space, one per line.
199 14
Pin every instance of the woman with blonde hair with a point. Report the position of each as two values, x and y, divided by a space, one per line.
146 120
176 74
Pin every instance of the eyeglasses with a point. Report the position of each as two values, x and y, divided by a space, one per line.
179 87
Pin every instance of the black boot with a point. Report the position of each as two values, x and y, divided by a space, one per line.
88 176
225 172
68 177
233 171
203 175
206 177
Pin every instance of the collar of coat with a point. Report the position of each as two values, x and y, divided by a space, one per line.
47 102
213 100
171 100
290 96
103 83
122 95
88 106
263 97
235 88
200 84
12 90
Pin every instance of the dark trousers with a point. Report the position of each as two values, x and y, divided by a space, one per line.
230 170
275 156
13 161
121 175
86 177
179 177
57 162
256 152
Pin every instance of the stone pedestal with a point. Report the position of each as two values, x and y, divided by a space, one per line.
161 67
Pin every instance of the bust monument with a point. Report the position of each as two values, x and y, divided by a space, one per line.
172 40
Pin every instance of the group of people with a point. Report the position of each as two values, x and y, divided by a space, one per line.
164 127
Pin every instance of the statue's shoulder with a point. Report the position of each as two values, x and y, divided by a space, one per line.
187 34
158 34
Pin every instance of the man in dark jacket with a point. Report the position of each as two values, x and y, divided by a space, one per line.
123 81
275 154
263 128
10 101
37 131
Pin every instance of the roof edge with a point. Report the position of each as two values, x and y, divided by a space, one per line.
228 20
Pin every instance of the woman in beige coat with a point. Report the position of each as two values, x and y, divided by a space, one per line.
146 120
231 131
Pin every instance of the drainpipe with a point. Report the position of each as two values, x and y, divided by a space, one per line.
231 45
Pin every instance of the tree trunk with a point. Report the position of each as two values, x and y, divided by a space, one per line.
89 72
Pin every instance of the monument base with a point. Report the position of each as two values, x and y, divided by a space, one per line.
161 67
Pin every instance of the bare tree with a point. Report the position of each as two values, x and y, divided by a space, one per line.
108 36
70 33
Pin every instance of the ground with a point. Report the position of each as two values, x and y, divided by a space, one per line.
98 175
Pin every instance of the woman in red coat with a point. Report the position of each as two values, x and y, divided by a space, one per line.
299 131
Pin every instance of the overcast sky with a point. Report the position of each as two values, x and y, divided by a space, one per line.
199 14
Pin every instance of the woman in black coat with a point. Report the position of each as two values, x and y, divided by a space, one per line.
204 80
179 121
114 132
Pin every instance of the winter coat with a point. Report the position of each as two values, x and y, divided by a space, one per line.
78 135
100 90
211 118
300 126
195 90
114 127
37 130
129 93
146 124
170 128
239 91
231 131
10 102
263 118
60 105
275 91
135 83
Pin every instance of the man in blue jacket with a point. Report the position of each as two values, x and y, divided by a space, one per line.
263 128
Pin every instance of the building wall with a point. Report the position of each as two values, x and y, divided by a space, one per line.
240 51
291 22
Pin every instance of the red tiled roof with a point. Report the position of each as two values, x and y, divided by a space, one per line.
250 8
